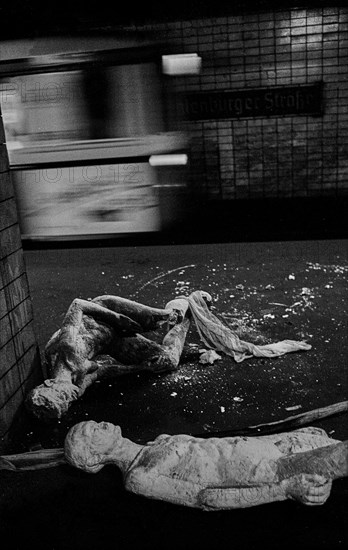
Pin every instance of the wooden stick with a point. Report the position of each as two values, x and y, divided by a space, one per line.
288 424
33 460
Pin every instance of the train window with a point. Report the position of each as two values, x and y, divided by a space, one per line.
135 100
43 107
92 103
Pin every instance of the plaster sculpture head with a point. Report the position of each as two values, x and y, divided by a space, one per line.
90 445
52 398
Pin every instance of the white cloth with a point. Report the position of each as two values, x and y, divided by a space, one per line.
217 336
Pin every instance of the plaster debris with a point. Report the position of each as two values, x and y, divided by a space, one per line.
161 275
208 357
182 287
294 408
333 268
306 291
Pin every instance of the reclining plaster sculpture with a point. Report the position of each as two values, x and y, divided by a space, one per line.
215 473
103 338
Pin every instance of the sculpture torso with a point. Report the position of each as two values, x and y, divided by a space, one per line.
220 462
180 466
92 338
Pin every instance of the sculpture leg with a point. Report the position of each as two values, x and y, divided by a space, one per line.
149 318
145 354
142 354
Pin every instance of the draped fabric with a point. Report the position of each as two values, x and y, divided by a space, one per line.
33 460
219 337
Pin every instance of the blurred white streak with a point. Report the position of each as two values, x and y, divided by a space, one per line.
181 64
168 160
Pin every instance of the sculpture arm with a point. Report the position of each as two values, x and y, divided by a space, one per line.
186 493
312 490
227 498
99 312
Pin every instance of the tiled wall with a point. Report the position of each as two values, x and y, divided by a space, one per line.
286 156
20 366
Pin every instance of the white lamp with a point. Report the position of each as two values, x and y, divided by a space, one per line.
181 64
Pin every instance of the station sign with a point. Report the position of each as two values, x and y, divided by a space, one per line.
255 102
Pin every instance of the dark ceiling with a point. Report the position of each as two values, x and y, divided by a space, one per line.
32 18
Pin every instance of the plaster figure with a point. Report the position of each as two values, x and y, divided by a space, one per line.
215 473
102 338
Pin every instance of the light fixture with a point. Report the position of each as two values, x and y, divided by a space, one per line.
168 160
181 64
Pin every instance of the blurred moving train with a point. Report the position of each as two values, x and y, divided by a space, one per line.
94 141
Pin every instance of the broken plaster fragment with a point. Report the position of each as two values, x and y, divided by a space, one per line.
306 291
294 408
208 357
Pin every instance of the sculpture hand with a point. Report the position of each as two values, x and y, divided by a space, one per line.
174 318
312 490
178 309
157 363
